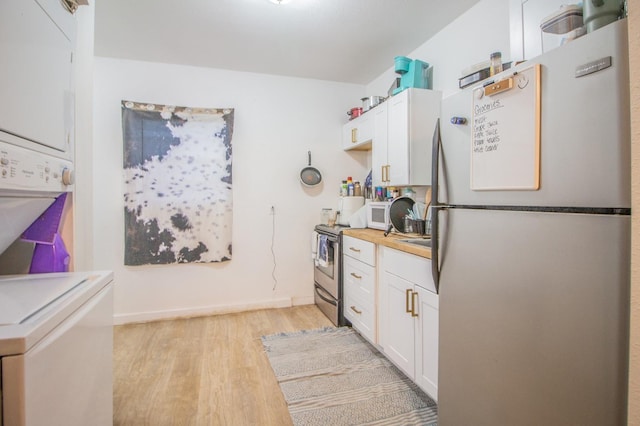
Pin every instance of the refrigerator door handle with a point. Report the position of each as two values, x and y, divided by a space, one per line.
435 205
435 267
435 157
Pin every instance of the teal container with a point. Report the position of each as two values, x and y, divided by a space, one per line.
402 64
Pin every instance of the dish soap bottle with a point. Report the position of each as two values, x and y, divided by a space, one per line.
343 189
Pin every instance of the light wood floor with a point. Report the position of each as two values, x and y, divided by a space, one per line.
203 371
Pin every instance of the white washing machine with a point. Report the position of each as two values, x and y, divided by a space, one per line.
56 349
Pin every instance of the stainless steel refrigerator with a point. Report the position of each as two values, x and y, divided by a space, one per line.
534 283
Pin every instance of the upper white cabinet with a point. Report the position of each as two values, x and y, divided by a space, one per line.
357 133
527 40
379 160
408 309
405 158
36 45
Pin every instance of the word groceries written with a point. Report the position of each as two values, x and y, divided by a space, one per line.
486 137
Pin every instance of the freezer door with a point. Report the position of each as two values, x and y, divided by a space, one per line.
533 318
585 132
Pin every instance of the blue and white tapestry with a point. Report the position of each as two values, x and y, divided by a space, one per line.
178 187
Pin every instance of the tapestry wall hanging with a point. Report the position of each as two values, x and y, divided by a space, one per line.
178 188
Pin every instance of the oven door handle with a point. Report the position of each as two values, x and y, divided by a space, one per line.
330 237
321 296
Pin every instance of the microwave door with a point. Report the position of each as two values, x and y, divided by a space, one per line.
378 216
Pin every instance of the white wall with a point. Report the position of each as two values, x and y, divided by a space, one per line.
468 40
277 120
83 193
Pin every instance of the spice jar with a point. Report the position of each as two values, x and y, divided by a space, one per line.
496 63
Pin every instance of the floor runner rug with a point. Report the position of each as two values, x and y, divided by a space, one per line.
332 376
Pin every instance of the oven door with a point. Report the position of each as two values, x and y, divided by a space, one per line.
328 276
327 304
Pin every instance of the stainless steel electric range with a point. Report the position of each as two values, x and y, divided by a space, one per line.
327 273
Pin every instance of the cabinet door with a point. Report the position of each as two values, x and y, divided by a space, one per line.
357 133
398 139
427 342
36 84
397 325
379 144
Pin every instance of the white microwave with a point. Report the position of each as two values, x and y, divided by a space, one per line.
378 215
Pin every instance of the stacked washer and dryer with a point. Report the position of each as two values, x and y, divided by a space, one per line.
56 329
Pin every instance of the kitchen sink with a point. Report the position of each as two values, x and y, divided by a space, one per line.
424 242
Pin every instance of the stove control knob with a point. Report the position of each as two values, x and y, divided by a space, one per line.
68 177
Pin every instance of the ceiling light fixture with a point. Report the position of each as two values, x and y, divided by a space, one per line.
279 1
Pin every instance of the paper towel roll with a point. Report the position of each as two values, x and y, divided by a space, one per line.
359 218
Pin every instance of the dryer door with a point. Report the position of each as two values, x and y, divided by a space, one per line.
16 214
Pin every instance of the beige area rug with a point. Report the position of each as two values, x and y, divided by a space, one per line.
332 376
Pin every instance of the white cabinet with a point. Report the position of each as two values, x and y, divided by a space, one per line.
357 133
527 39
379 160
411 119
36 46
397 323
427 341
359 286
408 308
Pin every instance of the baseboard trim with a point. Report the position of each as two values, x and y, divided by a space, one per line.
120 319
296 301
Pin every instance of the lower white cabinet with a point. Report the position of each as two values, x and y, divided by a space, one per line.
397 323
359 296
408 309
359 286
427 342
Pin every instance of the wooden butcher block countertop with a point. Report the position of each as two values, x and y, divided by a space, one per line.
391 240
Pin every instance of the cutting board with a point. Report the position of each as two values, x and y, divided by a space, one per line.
427 203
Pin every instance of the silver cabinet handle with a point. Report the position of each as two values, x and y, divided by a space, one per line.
354 249
354 275
353 308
